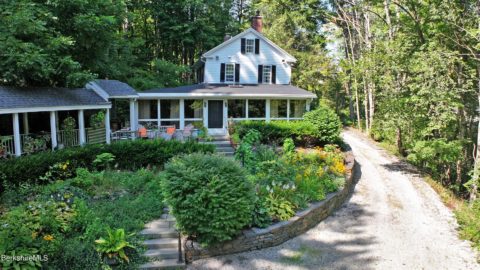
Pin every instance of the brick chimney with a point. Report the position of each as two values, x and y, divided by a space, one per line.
257 22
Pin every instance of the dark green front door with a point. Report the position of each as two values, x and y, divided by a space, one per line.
215 114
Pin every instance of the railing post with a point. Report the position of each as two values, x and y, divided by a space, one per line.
180 257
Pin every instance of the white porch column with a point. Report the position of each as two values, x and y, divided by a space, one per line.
246 109
16 135
225 113
81 127
107 126
288 109
26 128
307 105
159 122
205 112
132 115
182 113
267 110
53 129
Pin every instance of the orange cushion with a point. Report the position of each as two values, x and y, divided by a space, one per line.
143 132
171 130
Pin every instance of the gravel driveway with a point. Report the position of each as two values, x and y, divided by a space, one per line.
393 221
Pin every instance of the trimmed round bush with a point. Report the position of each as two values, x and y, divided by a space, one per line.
327 124
209 196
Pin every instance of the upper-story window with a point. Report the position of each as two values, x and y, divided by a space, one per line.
250 45
267 74
229 72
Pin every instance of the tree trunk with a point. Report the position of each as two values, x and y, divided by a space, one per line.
476 167
399 141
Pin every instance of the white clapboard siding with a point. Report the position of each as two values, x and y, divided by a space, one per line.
248 62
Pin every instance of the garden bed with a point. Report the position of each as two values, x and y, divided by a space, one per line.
275 234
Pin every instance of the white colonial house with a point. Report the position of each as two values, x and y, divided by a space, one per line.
246 77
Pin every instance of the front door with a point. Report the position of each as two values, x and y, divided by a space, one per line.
215 114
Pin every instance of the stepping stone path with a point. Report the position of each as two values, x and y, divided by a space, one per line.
223 145
162 244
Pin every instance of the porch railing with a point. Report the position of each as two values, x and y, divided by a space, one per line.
7 146
68 138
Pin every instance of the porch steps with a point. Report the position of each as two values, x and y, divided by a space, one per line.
162 244
222 144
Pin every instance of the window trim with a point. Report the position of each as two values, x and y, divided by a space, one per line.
250 48
233 72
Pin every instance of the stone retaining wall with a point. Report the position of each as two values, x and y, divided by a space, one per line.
255 238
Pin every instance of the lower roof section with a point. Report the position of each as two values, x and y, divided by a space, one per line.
229 91
38 99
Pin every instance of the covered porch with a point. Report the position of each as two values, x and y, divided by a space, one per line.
39 119
213 107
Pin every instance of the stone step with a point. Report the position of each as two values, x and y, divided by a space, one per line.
167 217
161 243
227 154
162 254
155 233
160 223
225 149
163 264
220 138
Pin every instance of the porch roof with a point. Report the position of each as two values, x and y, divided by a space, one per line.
116 89
233 91
37 99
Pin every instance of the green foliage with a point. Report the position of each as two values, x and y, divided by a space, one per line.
261 217
327 124
209 196
244 152
58 171
114 244
130 155
469 222
103 160
279 207
288 146
275 132
435 154
97 120
63 219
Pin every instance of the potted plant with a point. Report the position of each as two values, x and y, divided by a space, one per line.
112 248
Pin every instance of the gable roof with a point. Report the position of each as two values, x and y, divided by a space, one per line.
114 88
223 90
289 57
20 99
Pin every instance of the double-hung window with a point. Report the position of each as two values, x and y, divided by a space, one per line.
267 74
250 45
229 72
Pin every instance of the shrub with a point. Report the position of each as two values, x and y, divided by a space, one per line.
209 195
130 155
327 124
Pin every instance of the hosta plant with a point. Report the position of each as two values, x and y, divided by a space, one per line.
113 246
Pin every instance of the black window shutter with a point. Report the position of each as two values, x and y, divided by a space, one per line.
222 72
274 74
237 72
260 73
257 46
242 45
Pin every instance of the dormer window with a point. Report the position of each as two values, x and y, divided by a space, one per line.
250 45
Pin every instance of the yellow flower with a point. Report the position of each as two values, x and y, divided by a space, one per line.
48 237
64 167
34 235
